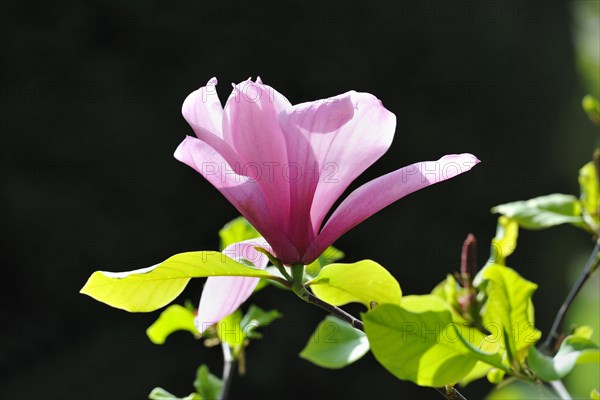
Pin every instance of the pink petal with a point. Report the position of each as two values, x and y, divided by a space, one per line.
280 102
383 191
343 135
222 295
203 111
250 127
310 129
241 191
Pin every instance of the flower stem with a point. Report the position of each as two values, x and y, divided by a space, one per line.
333 310
590 267
276 263
297 282
228 362
560 390
449 392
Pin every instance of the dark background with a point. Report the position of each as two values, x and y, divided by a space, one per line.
90 117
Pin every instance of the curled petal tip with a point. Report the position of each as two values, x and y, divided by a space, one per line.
212 81
466 159
258 80
472 157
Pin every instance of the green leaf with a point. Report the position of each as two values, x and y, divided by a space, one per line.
206 384
330 255
573 350
588 183
173 318
148 289
420 342
362 282
505 241
335 344
508 312
235 330
495 375
261 285
543 212
482 369
237 231
256 317
583 331
595 394
159 393
591 106
517 389
448 290
230 331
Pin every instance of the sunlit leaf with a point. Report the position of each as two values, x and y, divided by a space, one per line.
229 330
148 289
173 318
573 350
508 312
583 331
491 346
591 106
206 384
237 231
521 390
495 375
543 212
159 393
447 290
362 282
330 255
505 241
255 318
588 184
420 342
335 344
235 329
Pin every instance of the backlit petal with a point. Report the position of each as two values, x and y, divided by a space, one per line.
383 191
222 295
333 141
241 191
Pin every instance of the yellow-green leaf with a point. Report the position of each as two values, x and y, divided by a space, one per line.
448 290
335 344
149 289
330 255
591 106
508 311
420 342
230 331
573 350
361 282
159 393
237 231
505 241
173 318
544 211
589 197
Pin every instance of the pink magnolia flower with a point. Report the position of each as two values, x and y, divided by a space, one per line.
283 166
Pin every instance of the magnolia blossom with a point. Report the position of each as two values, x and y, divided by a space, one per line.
283 167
